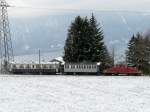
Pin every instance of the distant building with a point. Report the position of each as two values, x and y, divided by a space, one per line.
58 60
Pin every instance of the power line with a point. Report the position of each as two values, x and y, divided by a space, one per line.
71 9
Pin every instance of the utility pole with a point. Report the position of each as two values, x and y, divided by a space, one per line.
39 56
6 50
113 55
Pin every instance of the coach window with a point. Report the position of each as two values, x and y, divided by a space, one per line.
28 66
50 66
21 66
44 66
89 66
33 66
92 66
14 66
37 66
76 66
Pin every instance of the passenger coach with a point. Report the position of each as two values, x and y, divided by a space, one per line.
34 68
81 68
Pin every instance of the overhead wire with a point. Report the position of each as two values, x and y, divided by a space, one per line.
69 9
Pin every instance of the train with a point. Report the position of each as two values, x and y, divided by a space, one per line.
58 68
55 68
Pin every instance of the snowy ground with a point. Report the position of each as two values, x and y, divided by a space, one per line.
74 94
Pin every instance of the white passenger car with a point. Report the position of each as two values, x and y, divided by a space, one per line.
81 68
34 68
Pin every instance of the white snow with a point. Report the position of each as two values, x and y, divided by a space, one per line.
74 94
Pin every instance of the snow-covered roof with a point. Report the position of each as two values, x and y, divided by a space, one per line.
31 62
58 59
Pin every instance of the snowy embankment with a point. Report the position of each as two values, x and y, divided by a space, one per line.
74 94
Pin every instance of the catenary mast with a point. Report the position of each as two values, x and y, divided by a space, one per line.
6 50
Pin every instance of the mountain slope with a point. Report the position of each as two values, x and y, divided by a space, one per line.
48 32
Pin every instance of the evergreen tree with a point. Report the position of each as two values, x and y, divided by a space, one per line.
130 54
99 51
138 53
97 44
77 43
147 55
85 42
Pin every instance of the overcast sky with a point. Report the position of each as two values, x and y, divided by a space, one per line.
133 5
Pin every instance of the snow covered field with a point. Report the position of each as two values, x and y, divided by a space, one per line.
74 94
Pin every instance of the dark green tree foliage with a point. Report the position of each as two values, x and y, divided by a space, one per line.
130 54
97 44
77 43
138 53
98 50
85 42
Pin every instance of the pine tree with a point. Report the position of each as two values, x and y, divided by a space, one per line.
99 50
85 42
147 55
97 44
77 43
138 53
130 54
